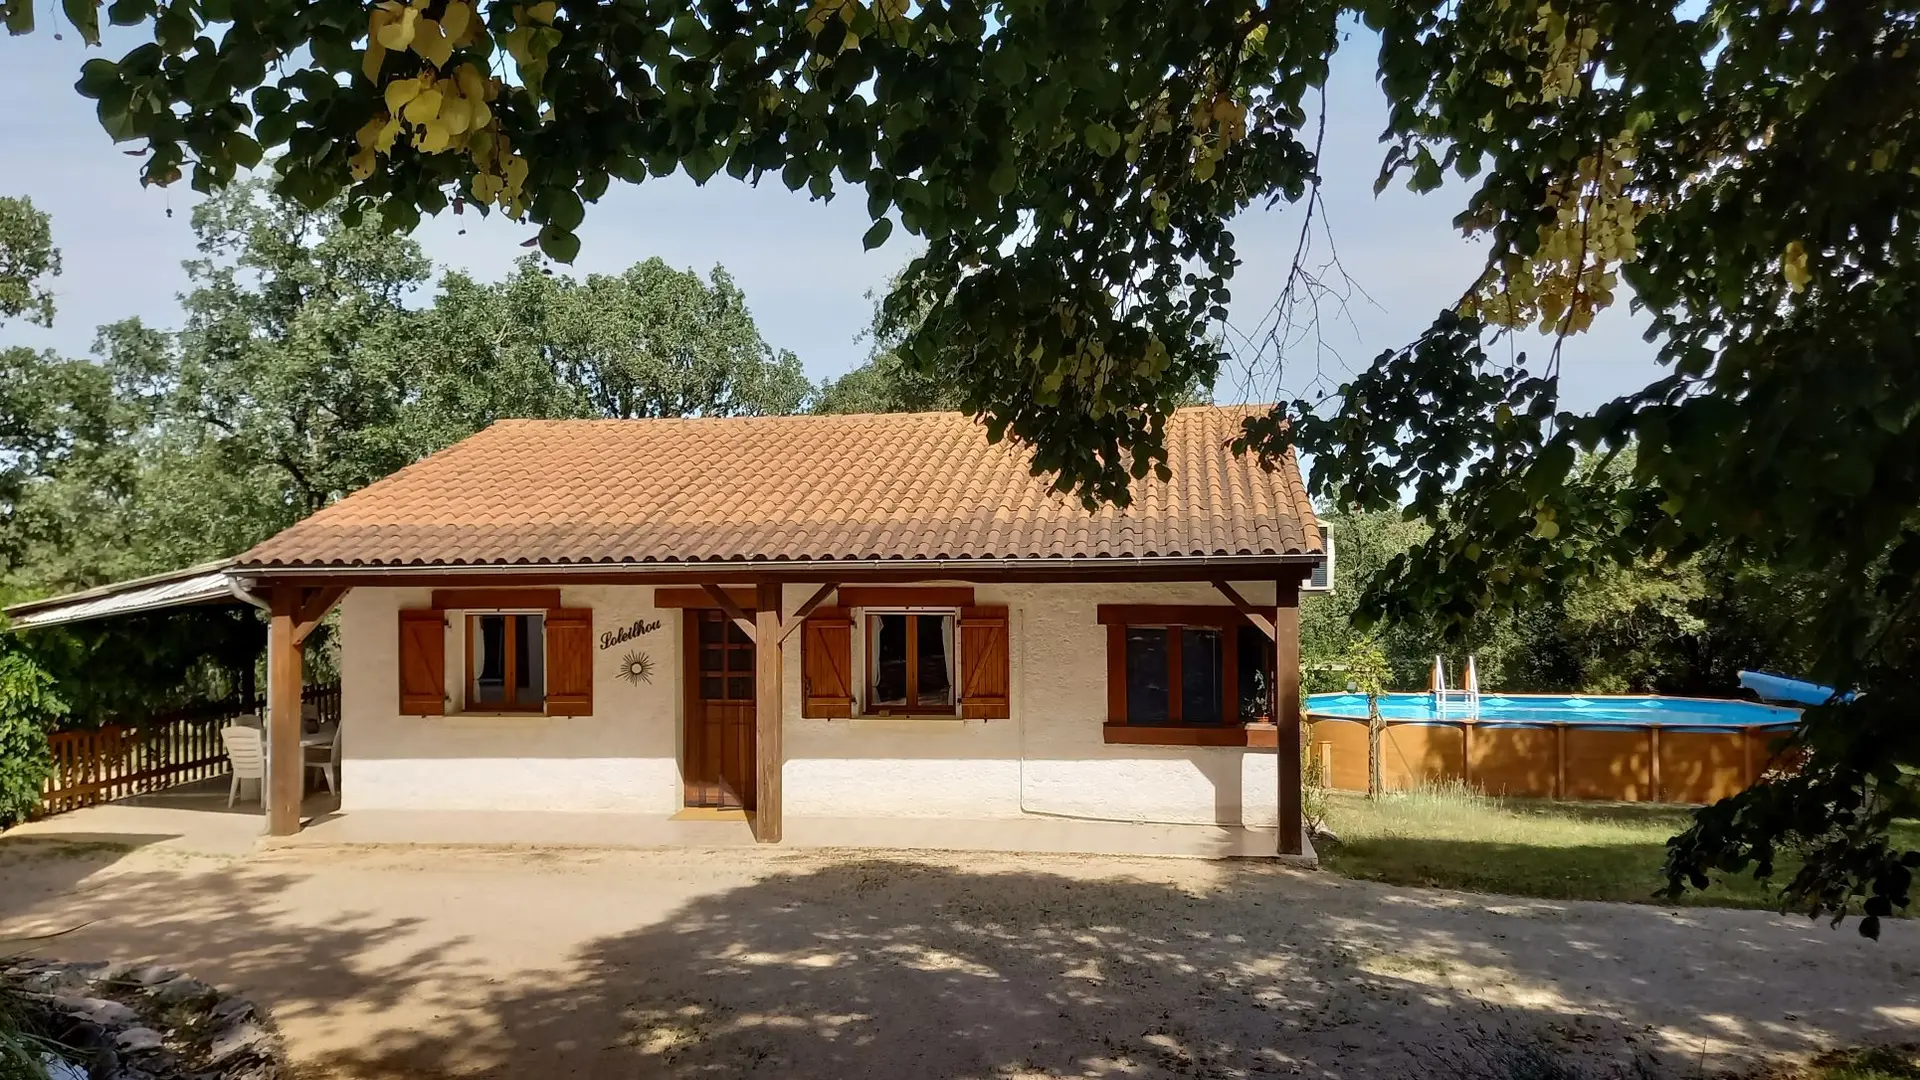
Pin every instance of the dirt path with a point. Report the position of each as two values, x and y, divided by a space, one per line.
440 962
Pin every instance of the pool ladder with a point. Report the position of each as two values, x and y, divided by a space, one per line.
1463 703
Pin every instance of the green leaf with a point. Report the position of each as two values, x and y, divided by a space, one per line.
877 234
175 28
268 100
564 213
559 244
703 163
97 76
1103 140
85 17
115 115
19 15
1004 178
129 12
243 150
274 129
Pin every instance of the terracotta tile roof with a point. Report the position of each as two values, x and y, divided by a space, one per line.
897 486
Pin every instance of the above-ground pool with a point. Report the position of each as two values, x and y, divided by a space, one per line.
1704 714
1556 746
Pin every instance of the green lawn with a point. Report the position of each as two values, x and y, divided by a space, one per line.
1523 847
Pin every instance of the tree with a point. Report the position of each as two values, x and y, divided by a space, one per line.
29 706
68 473
886 383
889 382
655 341
1744 167
61 430
1655 626
27 258
305 369
280 371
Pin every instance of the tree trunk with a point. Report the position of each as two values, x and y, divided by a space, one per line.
1375 726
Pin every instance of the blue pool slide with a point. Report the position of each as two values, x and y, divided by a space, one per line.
1780 688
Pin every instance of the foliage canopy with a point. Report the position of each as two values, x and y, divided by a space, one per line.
1745 167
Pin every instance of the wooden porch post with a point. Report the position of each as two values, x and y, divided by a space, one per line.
285 770
769 712
1286 682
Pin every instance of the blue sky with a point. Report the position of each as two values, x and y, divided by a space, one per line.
799 261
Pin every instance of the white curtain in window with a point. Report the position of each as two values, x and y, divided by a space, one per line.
480 655
953 669
873 653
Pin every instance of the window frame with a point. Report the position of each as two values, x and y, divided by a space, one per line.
912 709
470 705
1233 729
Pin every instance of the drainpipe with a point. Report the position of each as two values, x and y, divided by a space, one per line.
244 595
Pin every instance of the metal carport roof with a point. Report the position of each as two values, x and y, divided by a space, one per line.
203 584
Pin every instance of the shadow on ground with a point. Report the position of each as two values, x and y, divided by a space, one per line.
822 964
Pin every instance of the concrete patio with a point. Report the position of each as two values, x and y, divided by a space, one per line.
195 817
384 962
192 817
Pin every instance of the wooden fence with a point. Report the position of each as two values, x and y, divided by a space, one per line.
100 765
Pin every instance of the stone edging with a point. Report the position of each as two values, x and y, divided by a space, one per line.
144 1022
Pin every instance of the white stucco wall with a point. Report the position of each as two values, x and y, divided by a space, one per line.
624 757
1048 758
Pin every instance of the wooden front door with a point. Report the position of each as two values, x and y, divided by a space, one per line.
718 762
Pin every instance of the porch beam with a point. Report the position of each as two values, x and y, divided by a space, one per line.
1286 685
285 770
314 606
734 611
680 596
1260 622
769 713
799 617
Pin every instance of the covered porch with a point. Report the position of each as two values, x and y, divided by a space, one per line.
766 614
763 609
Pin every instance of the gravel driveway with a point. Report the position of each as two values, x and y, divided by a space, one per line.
412 962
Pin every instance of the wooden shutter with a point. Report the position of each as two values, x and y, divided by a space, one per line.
826 664
984 678
423 662
570 662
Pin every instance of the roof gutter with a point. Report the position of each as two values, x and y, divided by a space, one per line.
783 567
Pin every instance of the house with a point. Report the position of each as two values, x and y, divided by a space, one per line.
813 615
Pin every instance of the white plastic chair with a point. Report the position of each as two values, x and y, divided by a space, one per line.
246 755
329 765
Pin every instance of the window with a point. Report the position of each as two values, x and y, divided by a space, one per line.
910 665
1174 675
1192 674
506 663
726 659
1255 654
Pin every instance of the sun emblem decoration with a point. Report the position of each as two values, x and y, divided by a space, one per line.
636 668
